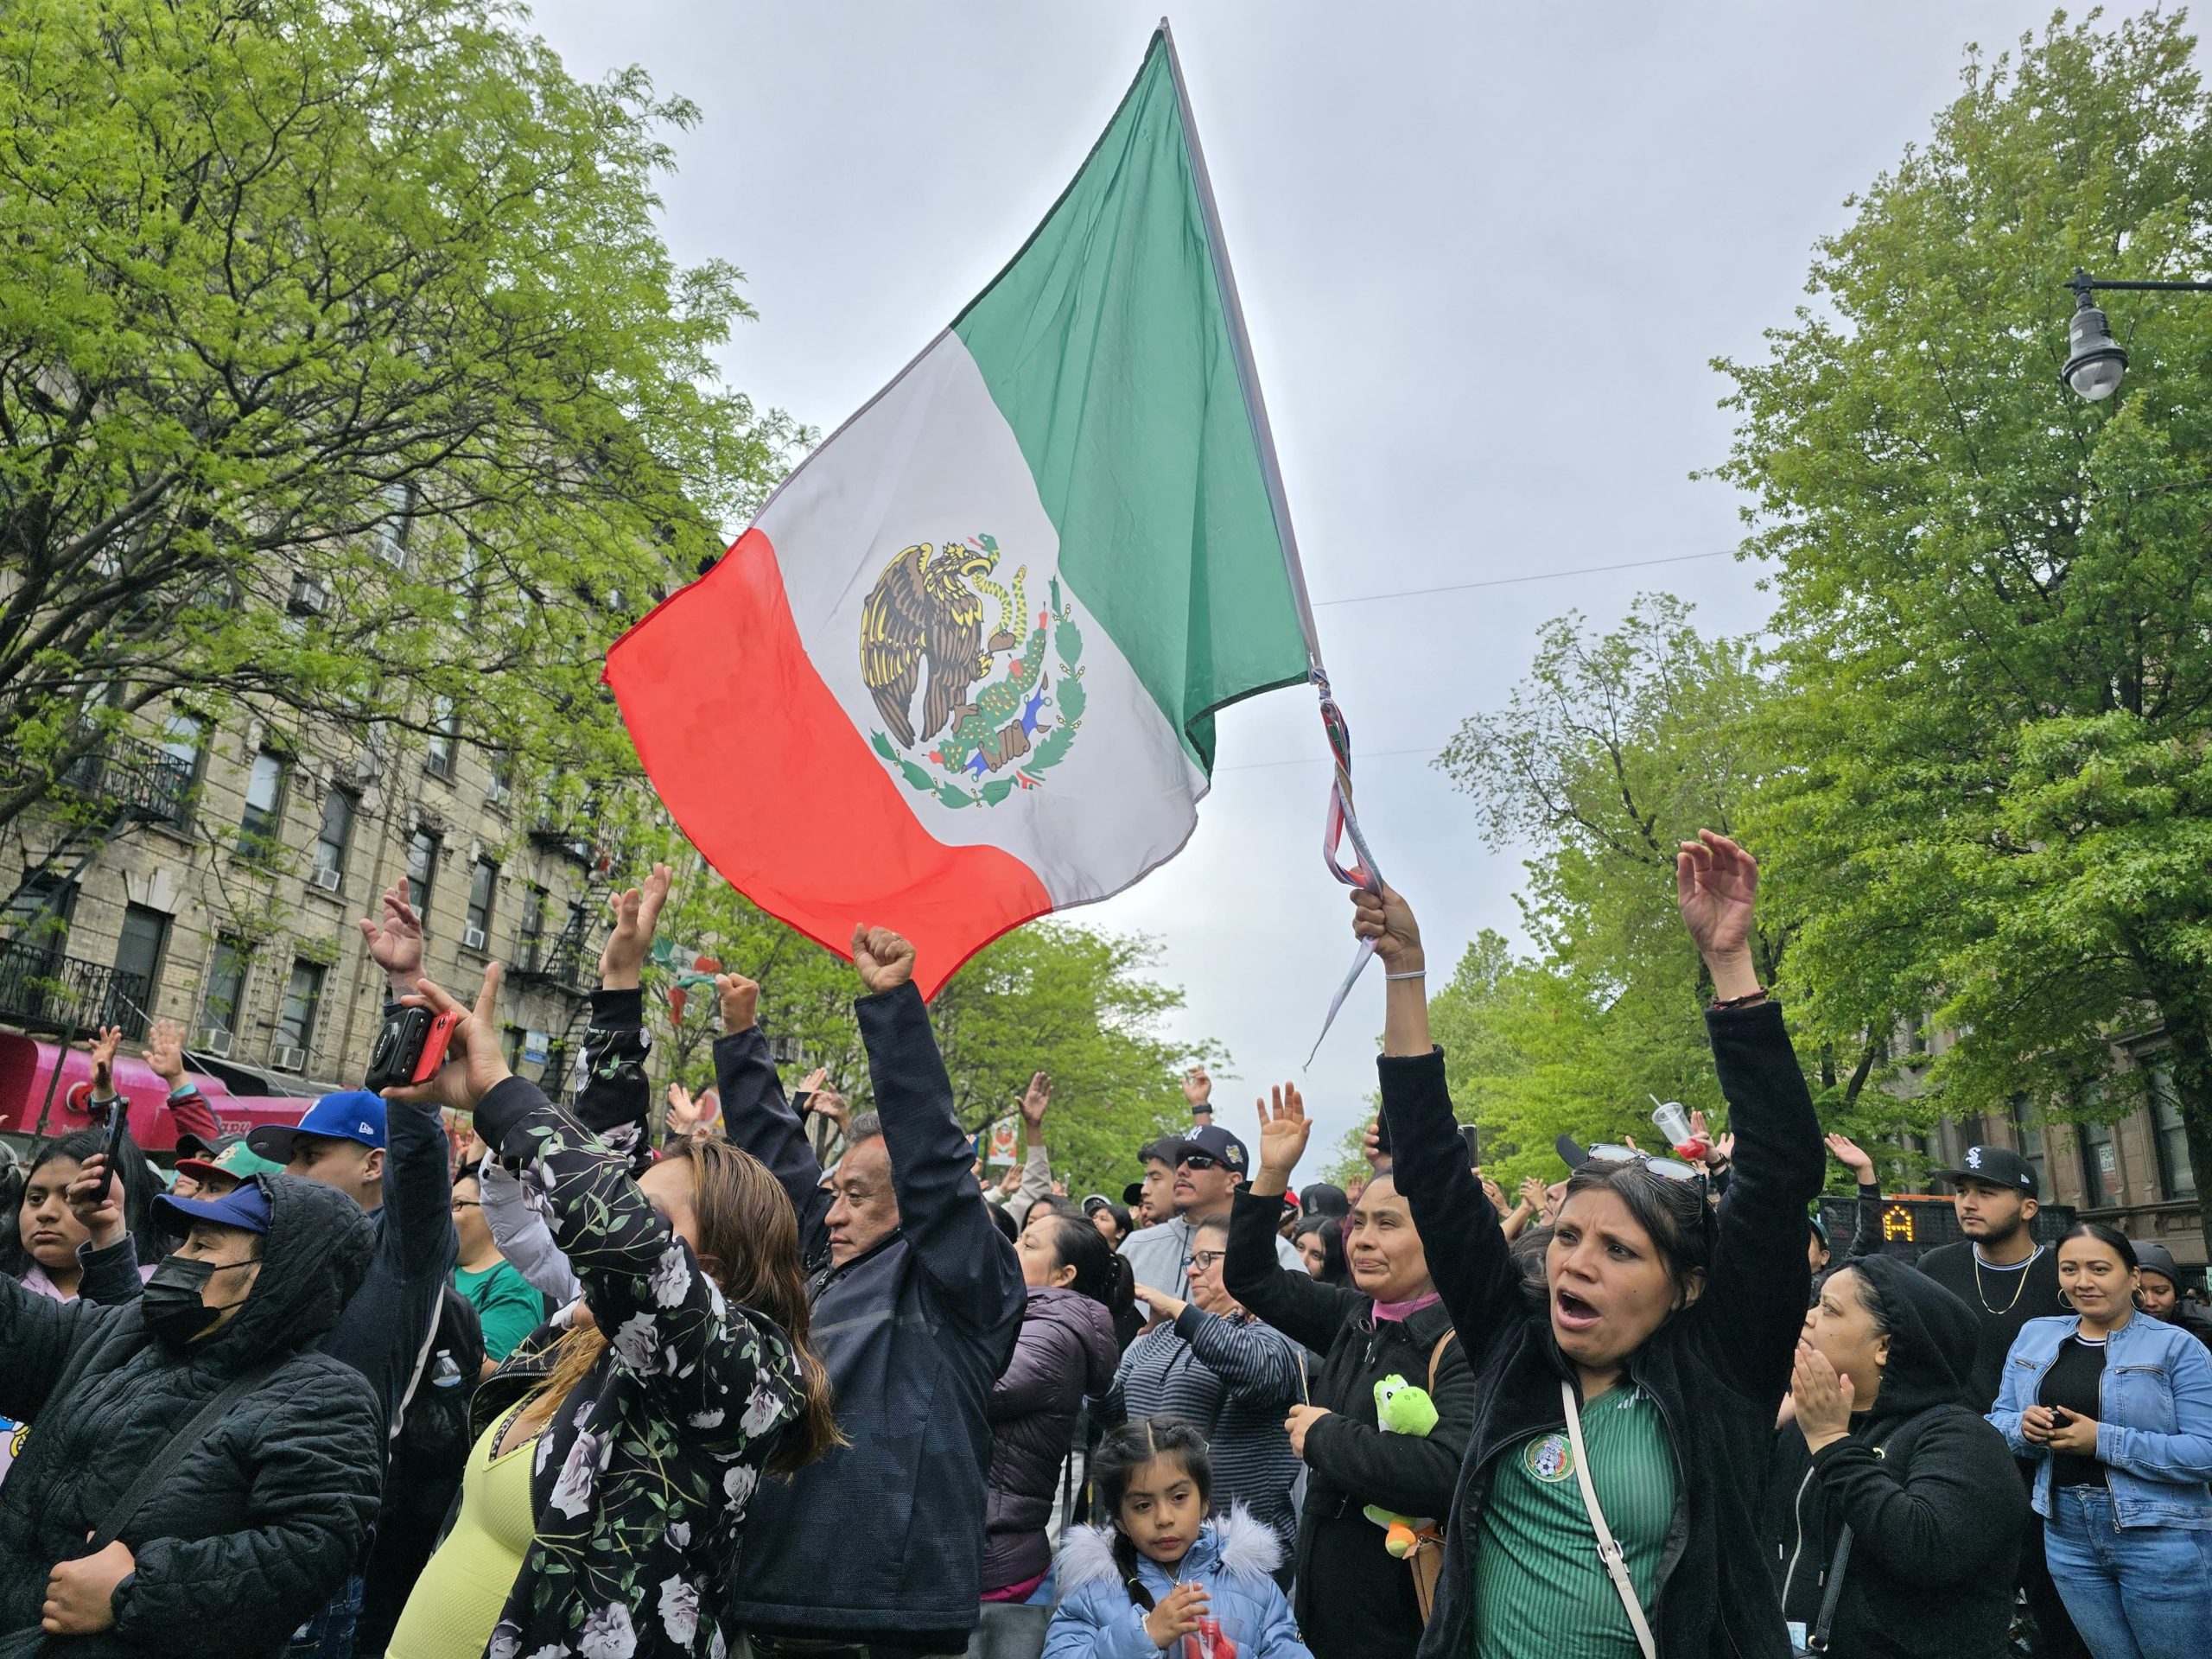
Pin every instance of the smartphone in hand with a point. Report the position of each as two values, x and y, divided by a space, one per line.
119 1118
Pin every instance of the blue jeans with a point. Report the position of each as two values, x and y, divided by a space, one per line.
2141 1592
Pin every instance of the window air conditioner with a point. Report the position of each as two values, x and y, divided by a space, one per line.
215 1041
289 1058
327 880
472 937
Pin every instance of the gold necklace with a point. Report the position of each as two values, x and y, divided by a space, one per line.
2016 1288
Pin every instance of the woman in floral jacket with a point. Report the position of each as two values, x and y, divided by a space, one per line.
650 1409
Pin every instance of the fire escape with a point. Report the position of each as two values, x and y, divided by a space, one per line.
109 791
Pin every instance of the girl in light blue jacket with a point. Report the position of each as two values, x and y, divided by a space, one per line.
2116 1409
1143 1585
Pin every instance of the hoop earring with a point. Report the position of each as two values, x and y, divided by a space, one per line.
2066 1302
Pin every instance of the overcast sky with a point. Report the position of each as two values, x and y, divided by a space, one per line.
1486 253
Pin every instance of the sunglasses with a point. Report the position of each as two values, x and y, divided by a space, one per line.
1672 1169
1196 1160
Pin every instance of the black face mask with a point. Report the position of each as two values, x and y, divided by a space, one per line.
171 1304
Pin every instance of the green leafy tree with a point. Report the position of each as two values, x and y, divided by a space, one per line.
343 375
1995 811
1616 747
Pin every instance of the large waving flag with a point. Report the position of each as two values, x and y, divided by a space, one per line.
961 669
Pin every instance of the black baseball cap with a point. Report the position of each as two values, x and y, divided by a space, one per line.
1133 1194
1215 1142
1999 1166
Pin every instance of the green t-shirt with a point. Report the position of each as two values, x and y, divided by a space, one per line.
1540 1592
508 1308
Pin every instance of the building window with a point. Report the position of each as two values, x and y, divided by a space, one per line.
2170 1135
223 1008
391 528
483 882
264 797
532 940
181 742
137 966
333 840
2099 1167
2027 1131
502 788
421 865
445 733
302 996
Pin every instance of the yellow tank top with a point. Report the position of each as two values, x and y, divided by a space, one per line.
457 1600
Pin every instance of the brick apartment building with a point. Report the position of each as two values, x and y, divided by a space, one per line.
2134 1173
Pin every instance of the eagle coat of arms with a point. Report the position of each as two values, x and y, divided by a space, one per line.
922 630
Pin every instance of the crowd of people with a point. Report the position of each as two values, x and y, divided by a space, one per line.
793 1379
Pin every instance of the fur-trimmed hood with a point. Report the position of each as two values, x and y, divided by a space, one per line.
1236 1545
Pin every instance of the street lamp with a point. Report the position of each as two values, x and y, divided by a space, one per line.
2094 361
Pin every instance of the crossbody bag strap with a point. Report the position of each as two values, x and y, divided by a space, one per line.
1817 1640
1608 1551
1436 1357
173 1451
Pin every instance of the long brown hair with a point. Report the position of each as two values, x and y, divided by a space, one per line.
748 1243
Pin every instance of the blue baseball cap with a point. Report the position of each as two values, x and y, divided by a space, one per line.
350 1115
244 1206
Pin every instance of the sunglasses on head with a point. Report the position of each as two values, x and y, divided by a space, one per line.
1196 1160
1672 1169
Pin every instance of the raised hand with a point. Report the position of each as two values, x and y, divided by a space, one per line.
1854 1157
1177 1615
637 912
886 961
1198 1089
1035 1103
1010 1183
1283 1134
104 1048
396 940
474 1065
165 1052
1716 888
740 1001
683 1112
822 1098
1533 1193
1493 1191
1389 920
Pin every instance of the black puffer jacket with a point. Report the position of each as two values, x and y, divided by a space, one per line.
1718 1369
1926 1486
1355 1600
267 1515
1066 1351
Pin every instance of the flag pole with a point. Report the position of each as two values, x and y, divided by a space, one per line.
1342 821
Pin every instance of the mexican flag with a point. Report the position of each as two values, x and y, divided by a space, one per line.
961 669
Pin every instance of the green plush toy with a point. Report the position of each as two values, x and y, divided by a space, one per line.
1401 1408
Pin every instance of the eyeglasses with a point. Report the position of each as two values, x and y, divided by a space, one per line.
1196 1160
1205 1259
1672 1169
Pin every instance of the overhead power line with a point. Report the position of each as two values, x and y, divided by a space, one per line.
1537 576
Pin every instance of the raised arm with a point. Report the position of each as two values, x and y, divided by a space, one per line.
669 1323
1754 1303
1469 1261
941 1211
1866 1229
757 1118
187 1106
523 1234
615 1101
1289 1299
1037 1161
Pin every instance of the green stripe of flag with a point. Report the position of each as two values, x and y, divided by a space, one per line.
1108 348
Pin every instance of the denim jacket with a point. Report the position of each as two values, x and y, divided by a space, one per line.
2154 1417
